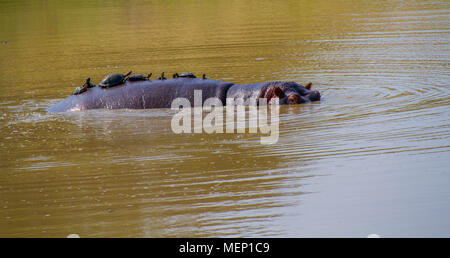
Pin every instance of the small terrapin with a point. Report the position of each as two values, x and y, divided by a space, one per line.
162 77
113 79
187 75
84 87
139 77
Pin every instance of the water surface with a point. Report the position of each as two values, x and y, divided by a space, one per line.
371 157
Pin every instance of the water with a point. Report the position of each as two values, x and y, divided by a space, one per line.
371 158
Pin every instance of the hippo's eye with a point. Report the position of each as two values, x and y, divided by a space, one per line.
294 99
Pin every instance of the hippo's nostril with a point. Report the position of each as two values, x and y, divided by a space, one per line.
314 95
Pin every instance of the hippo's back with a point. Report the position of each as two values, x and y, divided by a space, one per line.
245 92
143 94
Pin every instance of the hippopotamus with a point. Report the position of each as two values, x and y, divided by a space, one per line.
147 94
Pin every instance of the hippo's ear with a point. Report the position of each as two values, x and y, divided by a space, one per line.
278 92
308 86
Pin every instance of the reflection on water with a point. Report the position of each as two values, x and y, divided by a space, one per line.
371 157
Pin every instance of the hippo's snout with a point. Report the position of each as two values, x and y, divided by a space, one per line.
313 96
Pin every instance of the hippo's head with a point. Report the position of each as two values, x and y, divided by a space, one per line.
290 93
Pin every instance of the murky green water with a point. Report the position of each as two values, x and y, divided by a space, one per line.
371 157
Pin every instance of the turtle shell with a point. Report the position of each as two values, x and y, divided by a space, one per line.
187 75
79 90
113 79
139 77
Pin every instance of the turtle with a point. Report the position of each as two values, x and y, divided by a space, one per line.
113 79
162 77
187 75
84 87
89 83
139 77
